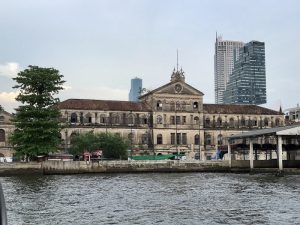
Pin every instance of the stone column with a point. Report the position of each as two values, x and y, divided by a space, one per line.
229 153
251 154
202 154
279 150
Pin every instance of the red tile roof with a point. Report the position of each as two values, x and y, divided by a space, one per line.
238 109
109 105
89 104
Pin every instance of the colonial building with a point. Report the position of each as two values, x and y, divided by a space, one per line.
6 128
169 119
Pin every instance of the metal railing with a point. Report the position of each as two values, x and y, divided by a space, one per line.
3 218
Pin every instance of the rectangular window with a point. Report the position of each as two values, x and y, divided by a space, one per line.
178 139
172 138
177 119
184 120
172 119
184 138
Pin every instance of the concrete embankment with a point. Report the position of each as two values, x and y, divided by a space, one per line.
58 167
77 167
20 168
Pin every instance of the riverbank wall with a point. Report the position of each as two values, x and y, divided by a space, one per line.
80 167
134 166
20 168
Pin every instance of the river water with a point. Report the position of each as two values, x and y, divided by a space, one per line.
153 198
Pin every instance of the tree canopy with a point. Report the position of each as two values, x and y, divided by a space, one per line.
84 142
112 145
37 119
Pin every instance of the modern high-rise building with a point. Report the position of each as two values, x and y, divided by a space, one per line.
135 90
247 83
225 53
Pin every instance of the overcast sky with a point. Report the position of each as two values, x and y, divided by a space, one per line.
100 45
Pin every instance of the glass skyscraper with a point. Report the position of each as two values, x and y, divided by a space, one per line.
135 90
247 83
225 53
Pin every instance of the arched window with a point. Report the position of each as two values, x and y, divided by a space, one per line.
103 118
266 122
249 122
219 122
130 137
254 122
207 122
88 117
197 139
81 117
130 118
220 139
196 120
208 139
277 122
72 136
73 118
159 139
159 105
115 119
144 138
243 122
159 119
143 119
2 135
231 123
195 105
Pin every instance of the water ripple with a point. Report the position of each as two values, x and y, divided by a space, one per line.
151 198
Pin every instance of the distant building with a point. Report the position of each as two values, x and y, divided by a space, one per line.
247 83
225 53
135 90
292 114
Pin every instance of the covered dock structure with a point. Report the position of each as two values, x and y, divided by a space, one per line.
286 138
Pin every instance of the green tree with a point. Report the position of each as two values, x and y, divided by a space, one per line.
37 119
113 146
85 142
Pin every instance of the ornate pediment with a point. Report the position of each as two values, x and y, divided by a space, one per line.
178 88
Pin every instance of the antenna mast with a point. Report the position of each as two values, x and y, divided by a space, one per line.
177 59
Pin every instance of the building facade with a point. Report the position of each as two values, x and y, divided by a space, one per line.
247 83
6 128
169 119
135 89
226 52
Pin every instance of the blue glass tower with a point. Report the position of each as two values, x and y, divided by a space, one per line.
136 87
247 83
